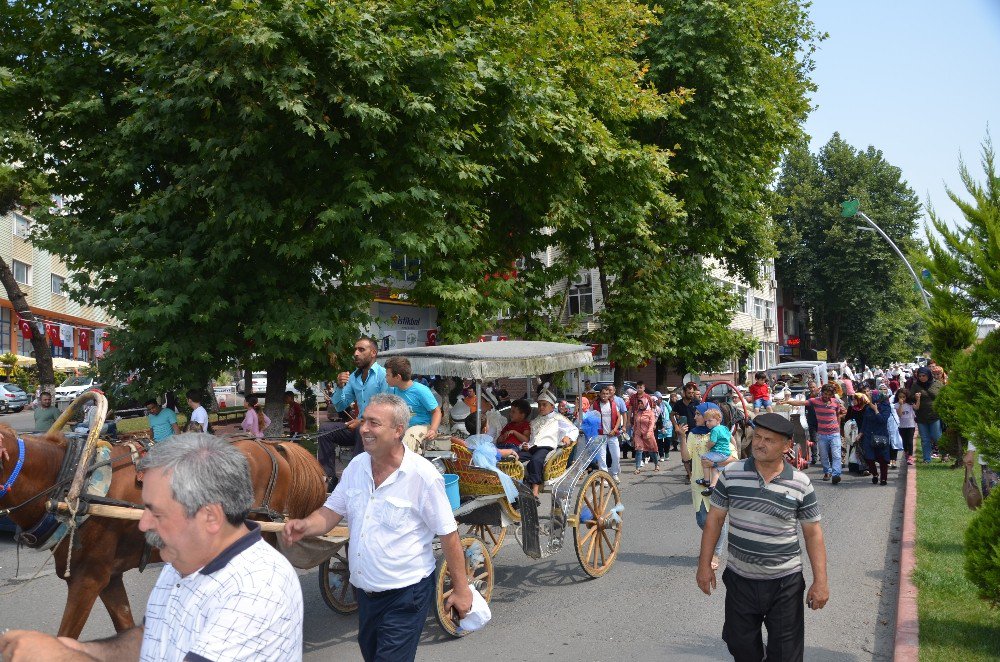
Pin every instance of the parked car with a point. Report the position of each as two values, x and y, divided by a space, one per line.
71 388
258 384
12 397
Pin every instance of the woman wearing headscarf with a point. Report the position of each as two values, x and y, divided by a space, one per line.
875 441
699 443
644 434
925 392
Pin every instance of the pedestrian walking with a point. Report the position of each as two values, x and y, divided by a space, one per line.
199 417
644 434
765 499
611 424
925 392
46 414
875 441
683 413
699 442
907 421
396 504
294 416
829 412
255 421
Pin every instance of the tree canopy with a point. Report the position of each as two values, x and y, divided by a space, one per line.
858 293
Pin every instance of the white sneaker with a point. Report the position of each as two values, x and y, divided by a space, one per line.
617 479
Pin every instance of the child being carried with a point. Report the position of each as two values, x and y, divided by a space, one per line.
721 453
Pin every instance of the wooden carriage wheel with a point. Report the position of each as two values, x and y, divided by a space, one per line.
478 571
334 584
493 536
598 531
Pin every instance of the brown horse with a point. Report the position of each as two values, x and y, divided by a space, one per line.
104 548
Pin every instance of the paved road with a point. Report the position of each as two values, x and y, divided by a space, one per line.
647 608
22 421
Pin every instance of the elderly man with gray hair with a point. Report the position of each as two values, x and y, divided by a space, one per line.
395 502
224 594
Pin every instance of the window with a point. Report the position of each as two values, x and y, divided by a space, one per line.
768 312
742 299
789 323
22 272
5 329
404 268
772 354
22 226
24 347
759 306
761 357
581 296
57 284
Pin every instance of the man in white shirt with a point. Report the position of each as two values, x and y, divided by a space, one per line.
545 436
224 595
395 503
199 417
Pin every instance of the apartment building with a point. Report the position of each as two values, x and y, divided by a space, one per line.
756 312
74 331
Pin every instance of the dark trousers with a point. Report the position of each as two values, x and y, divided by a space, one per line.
663 446
535 458
907 435
775 603
390 623
335 434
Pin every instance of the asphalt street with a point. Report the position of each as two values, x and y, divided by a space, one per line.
647 607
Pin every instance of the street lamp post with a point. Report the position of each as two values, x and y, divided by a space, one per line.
849 209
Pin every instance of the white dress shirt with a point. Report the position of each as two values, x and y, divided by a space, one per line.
392 526
545 431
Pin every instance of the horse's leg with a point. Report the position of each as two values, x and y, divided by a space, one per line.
82 592
115 600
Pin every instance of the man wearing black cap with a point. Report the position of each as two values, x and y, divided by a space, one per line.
764 497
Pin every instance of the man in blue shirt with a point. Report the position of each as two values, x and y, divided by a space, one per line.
162 421
425 411
358 386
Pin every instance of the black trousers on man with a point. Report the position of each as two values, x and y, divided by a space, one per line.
535 457
778 604
331 435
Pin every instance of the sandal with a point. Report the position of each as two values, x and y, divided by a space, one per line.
636 472
656 468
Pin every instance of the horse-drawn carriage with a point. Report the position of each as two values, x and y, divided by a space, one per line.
62 484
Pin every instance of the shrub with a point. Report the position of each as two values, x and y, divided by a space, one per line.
969 401
982 550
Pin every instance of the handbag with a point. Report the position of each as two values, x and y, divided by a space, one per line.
973 497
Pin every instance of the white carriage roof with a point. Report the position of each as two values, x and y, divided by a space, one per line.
494 360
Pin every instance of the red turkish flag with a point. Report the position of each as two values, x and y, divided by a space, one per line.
432 337
84 339
52 331
25 328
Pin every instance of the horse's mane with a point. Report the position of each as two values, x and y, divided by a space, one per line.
10 436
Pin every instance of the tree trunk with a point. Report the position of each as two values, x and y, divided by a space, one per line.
662 369
274 399
39 343
247 382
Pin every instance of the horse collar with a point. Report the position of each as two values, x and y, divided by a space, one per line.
5 488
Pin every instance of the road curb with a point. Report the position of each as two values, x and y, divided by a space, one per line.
907 647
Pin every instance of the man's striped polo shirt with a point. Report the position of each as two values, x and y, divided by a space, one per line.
763 517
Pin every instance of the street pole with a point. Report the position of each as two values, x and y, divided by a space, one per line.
850 209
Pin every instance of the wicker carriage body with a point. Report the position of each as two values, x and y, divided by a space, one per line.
473 481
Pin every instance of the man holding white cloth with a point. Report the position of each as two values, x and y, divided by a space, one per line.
395 503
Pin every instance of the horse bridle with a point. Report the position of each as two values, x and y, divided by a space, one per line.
9 483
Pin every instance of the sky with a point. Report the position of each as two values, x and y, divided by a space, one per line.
919 80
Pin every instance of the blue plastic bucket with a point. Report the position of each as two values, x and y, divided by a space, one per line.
451 489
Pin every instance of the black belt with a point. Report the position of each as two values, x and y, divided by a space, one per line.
382 594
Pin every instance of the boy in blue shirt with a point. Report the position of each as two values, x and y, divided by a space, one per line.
721 453
424 408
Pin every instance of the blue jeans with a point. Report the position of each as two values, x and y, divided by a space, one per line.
929 435
829 449
701 517
390 623
654 457
614 445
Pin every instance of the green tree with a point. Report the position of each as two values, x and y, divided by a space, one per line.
744 69
858 294
965 274
243 172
